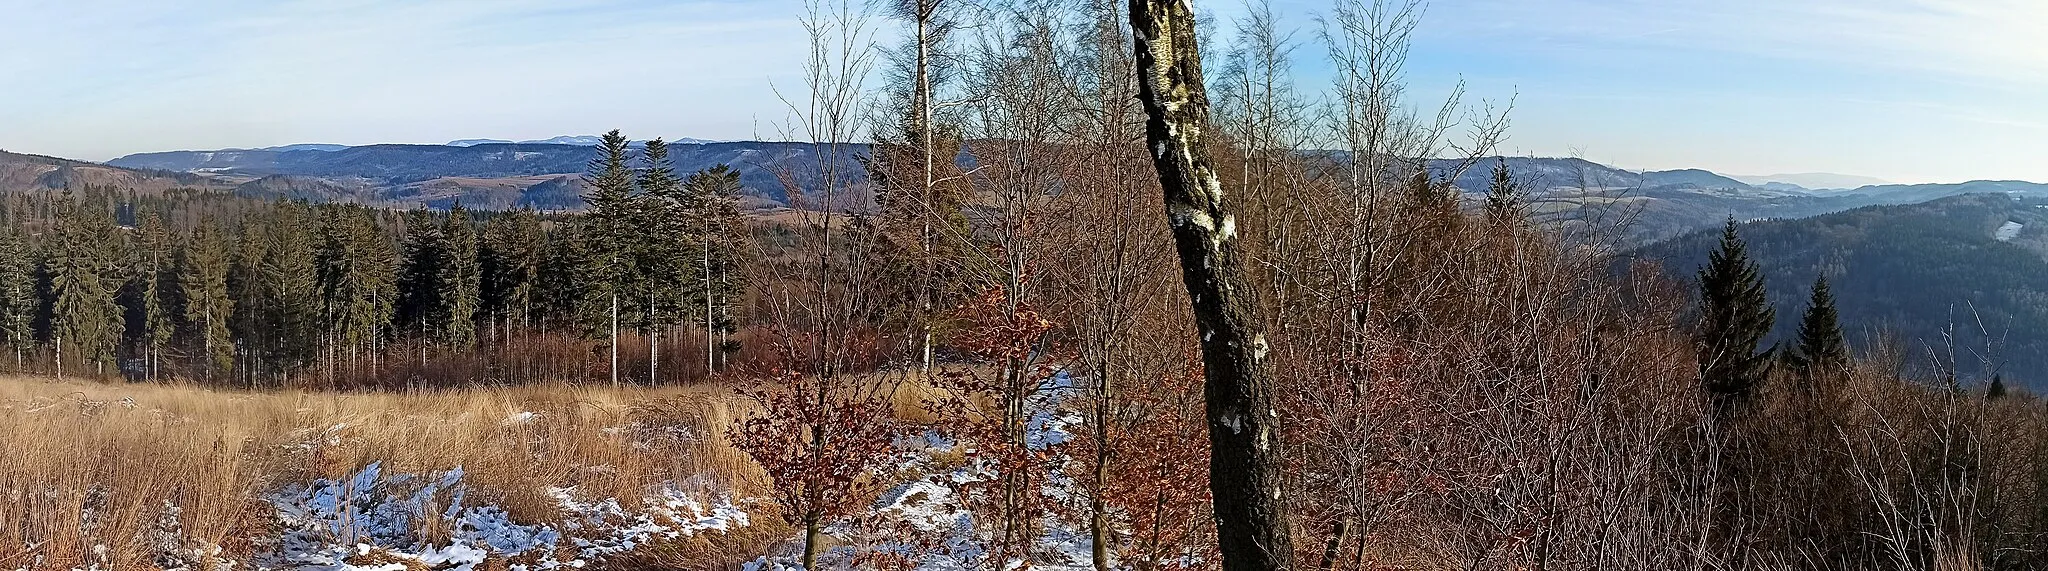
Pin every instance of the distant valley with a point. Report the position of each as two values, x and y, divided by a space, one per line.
480 174
1977 262
1642 207
1645 207
37 172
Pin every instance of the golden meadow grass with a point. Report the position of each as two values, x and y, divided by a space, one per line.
86 464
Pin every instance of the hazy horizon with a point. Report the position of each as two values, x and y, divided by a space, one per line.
1902 90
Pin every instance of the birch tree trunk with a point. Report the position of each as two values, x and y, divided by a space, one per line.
1245 459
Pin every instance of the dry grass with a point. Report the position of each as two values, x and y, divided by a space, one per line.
85 464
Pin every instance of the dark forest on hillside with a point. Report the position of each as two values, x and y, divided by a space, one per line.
214 287
1927 287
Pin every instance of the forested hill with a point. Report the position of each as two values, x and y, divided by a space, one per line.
490 175
36 172
1644 206
1656 205
1916 269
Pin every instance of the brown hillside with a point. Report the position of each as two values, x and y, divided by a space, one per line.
20 172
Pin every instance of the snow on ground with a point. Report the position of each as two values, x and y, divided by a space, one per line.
2009 231
378 522
923 520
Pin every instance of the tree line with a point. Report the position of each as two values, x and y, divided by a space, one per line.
215 288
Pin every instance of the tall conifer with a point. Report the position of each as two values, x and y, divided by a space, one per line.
611 236
155 282
18 302
1735 316
565 284
663 251
461 279
357 278
511 255
84 314
420 308
1820 349
289 288
203 289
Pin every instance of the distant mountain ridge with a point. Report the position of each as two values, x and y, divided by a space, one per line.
306 147
494 173
1913 268
1540 174
1814 180
578 140
25 172
1656 205
477 175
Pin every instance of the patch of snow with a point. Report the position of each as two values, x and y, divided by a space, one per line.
924 522
671 514
375 521
2008 231
581 140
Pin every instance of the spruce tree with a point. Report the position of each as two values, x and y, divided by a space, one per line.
420 307
1735 316
511 256
461 279
84 314
611 237
1820 349
564 282
154 285
1503 195
357 275
203 288
246 330
663 251
289 289
18 302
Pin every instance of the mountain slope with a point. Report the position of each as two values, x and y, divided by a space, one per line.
1814 180
1694 178
1641 206
393 167
1917 269
20 172
1657 205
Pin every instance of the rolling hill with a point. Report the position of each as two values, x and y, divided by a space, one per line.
484 175
1649 206
1641 207
1916 269
22 172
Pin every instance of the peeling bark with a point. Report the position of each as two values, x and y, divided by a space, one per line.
1245 468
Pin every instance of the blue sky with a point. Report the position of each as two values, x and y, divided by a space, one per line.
1906 90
